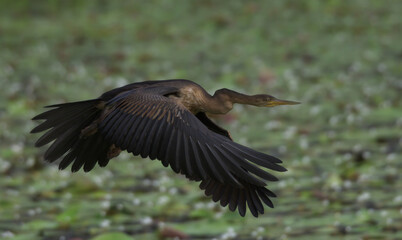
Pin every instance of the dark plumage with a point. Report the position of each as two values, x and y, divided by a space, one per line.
164 120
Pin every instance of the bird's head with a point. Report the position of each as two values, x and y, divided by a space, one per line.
265 100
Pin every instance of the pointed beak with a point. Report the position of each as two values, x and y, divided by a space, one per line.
277 102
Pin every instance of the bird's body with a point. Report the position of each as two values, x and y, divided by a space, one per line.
164 120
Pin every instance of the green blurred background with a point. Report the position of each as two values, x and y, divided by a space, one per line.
342 146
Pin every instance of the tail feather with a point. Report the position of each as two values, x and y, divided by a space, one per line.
77 122
81 155
66 121
95 153
60 110
61 145
64 113
68 159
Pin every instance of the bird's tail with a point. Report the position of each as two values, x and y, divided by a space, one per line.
65 124
252 195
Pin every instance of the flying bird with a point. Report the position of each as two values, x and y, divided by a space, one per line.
165 120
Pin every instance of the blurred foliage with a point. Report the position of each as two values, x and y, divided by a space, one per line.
342 146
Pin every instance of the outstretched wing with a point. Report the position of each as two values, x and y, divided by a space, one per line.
145 122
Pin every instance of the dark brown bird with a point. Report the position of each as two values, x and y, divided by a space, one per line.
165 120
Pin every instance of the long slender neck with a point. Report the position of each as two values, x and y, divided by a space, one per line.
223 99
236 97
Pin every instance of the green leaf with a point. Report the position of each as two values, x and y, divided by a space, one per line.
39 224
113 236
